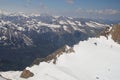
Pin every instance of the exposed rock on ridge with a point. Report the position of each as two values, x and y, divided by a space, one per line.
26 74
54 55
114 31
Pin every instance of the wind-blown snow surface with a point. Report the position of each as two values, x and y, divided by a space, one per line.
94 59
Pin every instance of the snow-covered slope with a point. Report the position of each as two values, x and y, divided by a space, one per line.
2 78
94 59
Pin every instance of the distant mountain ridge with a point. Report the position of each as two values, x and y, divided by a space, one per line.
93 59
14 25
24 38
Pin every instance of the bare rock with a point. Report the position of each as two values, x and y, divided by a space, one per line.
106 32
115 32
53 57
26 74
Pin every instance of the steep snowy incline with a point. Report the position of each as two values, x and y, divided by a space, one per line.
94 59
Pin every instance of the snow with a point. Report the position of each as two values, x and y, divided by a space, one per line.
66 29
95 24
62 22
83 30
34 14
27 40
79 23
96 58
71 23
56 17
4 37
10 74
20 28
70 17
90 24
49 25
2 78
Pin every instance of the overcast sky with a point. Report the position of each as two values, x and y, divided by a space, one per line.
104 9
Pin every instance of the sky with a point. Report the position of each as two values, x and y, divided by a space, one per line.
102 9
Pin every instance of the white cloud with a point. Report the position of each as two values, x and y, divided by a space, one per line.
111 14
100 12
107 11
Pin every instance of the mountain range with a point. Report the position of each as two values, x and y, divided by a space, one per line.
93 59
23 38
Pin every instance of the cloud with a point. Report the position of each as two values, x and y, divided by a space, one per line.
70 1
104 12
99 12
111 14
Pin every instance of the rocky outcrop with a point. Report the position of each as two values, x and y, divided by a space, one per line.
114 31
26 74
106 32
53 57
58 53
